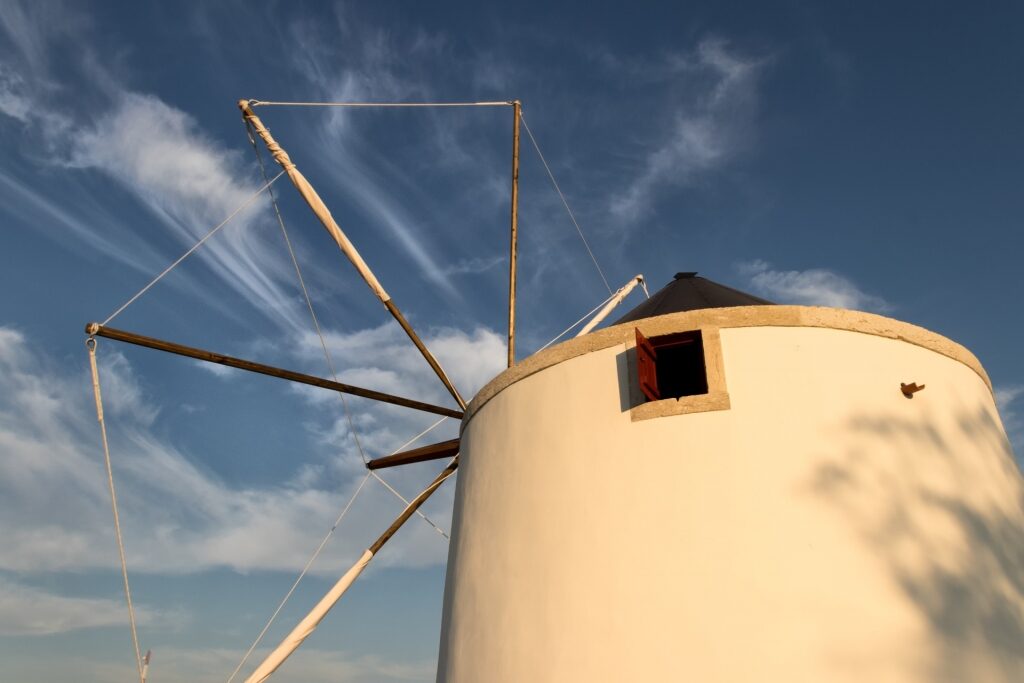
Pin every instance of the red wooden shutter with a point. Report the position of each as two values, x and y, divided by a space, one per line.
647 368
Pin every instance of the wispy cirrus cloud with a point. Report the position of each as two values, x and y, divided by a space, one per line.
29 611
33 27
177 516
433 182
50 216
707 129
180 517
812 287
368 180
475 265
186 179
192 183
471 357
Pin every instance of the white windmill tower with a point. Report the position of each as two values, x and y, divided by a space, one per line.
717 489
713 488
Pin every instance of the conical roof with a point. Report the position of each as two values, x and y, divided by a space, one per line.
689 292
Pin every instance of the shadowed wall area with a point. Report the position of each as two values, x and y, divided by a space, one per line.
815 526
943 507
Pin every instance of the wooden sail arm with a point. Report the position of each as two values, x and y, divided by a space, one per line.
309 623
513 249
614 301
323 214
95 329
436 451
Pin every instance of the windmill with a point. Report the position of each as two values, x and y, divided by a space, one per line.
713 487
449 449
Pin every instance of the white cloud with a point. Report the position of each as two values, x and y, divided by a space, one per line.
379 65
388 361
1006 395
385 360
1010 412
475 265
189 181
177 516
813 287
708 128
213 665
217 370
13 100
29 611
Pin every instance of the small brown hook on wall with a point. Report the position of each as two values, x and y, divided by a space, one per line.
910 389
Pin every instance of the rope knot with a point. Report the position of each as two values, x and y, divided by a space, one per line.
280 156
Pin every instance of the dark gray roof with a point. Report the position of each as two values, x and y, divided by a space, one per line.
689 292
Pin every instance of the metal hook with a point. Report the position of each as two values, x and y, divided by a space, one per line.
909 390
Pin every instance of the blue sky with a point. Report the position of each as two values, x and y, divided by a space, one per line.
856 156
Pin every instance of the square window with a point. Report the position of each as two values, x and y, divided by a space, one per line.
671 366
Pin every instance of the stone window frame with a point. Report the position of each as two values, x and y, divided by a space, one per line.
717 397
735 317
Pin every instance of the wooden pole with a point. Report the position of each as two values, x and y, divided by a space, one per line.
435 451
614 301
309 623
414 506
516 108
95 329
320 210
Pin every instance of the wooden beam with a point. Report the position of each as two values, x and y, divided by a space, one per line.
323 214
513 249
435 451
413 507
309 623
95 329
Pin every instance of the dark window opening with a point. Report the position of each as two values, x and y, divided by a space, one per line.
671 366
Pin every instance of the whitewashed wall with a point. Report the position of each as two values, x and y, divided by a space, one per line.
823 528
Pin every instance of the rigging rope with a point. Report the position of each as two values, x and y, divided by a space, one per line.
567 330
418 436
305 294
400 497
91 345
564 202
198 244
316 324
295 585
260 103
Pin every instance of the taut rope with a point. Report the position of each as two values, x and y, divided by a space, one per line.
305 293
261 103
565 203
569 329
402 498
302 574
198 244
323 342
91 345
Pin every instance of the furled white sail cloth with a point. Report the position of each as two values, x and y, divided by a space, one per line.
309 623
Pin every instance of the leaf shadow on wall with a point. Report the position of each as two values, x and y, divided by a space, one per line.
943 508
